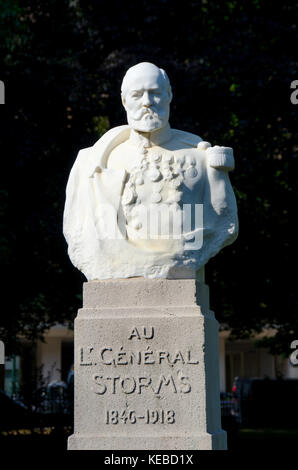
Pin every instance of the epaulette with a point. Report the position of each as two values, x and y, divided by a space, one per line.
221 158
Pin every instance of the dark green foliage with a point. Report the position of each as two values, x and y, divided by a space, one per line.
230 63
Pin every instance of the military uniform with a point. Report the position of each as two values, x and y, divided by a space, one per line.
127 172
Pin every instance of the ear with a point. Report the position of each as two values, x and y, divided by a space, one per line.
123 100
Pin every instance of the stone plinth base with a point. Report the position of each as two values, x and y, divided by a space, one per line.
146 367
202 441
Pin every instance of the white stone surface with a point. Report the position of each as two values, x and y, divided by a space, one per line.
147 169
146 370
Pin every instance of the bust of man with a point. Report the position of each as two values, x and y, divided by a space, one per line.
147 200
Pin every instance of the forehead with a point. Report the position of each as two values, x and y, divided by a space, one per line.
145 80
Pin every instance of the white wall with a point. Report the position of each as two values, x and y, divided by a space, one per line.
49 355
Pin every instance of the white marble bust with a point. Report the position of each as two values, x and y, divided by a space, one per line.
147 200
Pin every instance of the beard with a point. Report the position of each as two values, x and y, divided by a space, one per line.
147 120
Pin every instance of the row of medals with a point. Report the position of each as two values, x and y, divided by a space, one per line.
166 169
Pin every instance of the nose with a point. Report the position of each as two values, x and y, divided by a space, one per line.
146 99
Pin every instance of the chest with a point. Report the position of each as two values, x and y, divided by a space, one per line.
165 177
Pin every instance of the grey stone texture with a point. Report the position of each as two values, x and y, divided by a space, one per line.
146 367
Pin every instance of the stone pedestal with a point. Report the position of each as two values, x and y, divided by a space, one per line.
146 367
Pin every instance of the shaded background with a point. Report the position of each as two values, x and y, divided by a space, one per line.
230 64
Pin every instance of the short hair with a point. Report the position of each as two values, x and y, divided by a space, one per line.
124 86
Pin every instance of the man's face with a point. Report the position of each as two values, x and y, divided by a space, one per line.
147 101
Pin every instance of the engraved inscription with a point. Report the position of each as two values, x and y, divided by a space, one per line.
148 417
85 356
110 356
146 333
138 369
173 383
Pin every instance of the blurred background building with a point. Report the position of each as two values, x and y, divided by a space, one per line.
53 359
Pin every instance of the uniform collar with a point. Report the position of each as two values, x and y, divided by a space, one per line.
150 139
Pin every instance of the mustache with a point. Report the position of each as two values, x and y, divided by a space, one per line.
143 112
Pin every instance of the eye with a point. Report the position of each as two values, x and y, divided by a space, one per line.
136 94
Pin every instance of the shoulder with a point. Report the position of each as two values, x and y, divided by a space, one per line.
114 133
81 163
90 158
187 138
